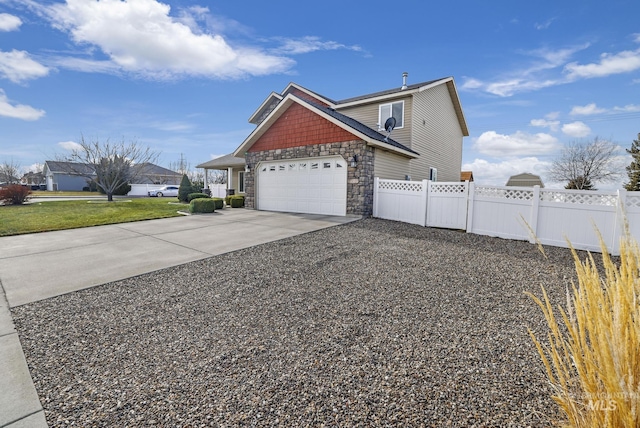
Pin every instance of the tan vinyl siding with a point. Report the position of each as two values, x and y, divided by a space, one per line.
436 135
367 114
390 166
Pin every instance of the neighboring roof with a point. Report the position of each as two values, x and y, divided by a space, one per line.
152 169
73 168
466 176
363 132
223 162
76 168
525 180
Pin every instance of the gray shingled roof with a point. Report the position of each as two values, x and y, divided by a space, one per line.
69 167
223 162
360 127
389 91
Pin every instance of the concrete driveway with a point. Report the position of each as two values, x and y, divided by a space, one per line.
40 266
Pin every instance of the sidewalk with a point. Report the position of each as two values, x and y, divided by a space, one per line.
40 266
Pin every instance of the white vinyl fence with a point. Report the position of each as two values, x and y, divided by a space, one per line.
554 216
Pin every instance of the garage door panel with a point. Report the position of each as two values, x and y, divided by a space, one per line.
317 186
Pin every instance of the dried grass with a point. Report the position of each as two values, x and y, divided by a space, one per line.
592 353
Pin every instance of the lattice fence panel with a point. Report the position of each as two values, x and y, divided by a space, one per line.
579 198
404 186
633 201
514 194
448 188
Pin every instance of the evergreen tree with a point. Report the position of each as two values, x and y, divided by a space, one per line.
184 189
633 170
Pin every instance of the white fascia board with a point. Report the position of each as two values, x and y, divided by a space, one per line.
308 92
267 100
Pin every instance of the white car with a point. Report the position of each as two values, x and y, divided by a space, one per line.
164 191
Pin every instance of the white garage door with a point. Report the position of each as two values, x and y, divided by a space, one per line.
314 186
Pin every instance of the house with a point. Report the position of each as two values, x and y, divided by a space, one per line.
235 168
466 176
73 176
525 180
311 154
33 179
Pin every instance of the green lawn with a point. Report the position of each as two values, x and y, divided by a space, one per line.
58 215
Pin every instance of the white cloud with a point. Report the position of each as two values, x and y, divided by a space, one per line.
587 110
553 125
530 78
544 25
517 144
142 38
310 44
18 111
9 22
497 173
576 129
70 145
17 66
622 62
629 108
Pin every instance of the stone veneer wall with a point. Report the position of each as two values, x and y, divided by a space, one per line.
359 179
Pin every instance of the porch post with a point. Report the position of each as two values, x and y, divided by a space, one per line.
229 177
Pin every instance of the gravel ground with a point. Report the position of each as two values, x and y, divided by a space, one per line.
372 323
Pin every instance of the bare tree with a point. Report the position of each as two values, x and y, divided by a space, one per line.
9 171
110 165
581 165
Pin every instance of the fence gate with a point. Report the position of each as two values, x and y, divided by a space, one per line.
447 206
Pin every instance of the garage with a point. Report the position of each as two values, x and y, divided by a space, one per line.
312 185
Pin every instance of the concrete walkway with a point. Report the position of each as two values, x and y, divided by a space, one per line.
40 266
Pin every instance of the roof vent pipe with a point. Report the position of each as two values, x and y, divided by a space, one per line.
404 80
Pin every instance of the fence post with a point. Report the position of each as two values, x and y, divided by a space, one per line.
533 216
376 183
471 197
619 225
425 201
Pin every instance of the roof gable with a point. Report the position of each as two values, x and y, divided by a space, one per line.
348 124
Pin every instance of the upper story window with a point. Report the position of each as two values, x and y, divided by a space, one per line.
392 109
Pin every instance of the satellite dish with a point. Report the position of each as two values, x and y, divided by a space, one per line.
388 126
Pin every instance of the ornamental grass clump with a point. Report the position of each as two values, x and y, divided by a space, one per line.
592 354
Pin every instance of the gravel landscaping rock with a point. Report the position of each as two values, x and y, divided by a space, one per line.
372 323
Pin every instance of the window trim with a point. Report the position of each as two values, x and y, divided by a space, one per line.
381 121
240 181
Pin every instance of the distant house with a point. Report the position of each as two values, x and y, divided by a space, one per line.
72 176
525 180
33 179
311 154
466 176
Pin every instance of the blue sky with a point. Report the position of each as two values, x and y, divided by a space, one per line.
184 76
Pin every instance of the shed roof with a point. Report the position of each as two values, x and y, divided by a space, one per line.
525 179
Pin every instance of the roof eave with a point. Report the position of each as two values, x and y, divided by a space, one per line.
288 101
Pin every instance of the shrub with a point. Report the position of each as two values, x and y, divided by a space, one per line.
219 203
121 190
202 205
193 196
236 201
592 356
14 194
185 189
